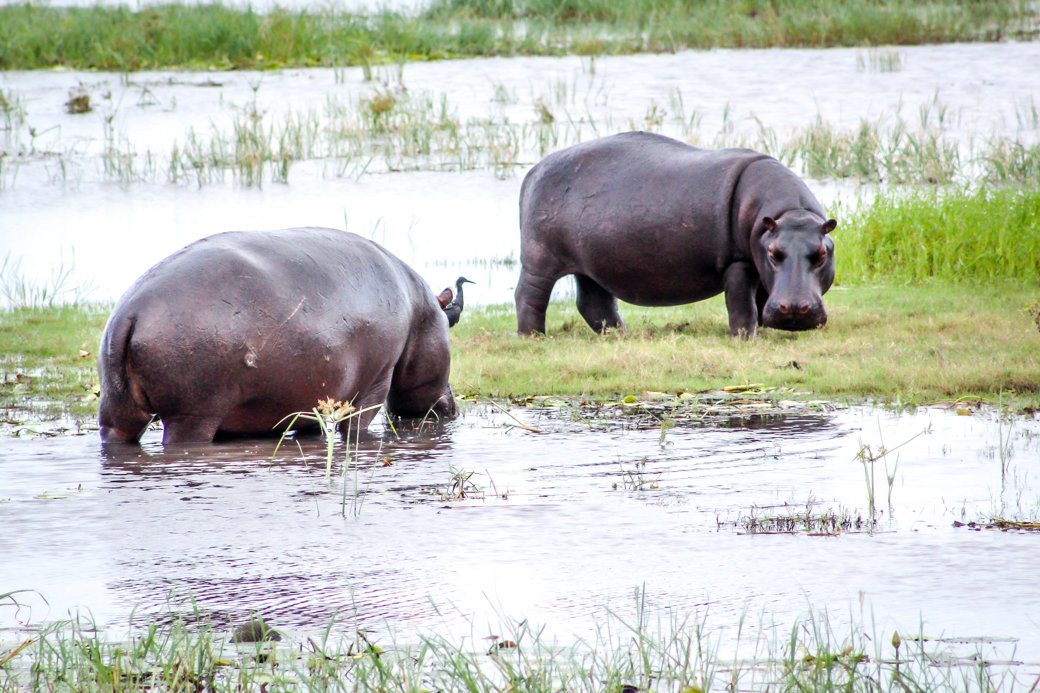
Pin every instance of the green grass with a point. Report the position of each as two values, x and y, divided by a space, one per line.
896 344
911 345
48 360
985 235
631 650
214 36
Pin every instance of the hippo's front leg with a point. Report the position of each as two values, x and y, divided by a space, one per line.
740 282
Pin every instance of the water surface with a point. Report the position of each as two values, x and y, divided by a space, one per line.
554 527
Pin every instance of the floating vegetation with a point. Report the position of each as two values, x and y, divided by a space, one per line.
1001 524
880 60
461 486
741 405
78 101
637 478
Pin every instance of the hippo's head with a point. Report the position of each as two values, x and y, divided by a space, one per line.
795 261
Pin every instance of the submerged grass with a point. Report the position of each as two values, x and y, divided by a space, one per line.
217 36
391 128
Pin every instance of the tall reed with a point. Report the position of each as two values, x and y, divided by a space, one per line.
960 236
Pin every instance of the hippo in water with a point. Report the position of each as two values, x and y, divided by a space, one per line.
656 222
234 332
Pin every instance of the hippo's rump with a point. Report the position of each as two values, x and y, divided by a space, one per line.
268 313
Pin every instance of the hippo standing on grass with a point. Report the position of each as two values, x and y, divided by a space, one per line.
236 331
656 222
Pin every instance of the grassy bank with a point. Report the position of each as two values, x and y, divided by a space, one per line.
48 361
986 235
937 342
213 36
898 344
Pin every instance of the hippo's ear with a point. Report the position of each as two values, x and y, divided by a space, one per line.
444 298
829 225
769 223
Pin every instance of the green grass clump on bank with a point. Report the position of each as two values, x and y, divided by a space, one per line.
214 36
986 235
911 345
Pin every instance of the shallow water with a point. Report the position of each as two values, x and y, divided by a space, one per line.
557 527
59 206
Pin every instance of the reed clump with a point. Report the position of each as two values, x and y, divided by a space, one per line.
961 236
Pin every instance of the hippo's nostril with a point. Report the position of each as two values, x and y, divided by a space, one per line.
803 308
783 308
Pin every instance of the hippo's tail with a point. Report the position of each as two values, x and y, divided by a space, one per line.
123 413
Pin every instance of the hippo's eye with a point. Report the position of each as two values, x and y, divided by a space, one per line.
776 255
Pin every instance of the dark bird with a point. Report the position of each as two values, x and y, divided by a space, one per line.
453 305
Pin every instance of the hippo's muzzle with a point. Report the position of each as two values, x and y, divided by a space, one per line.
794 314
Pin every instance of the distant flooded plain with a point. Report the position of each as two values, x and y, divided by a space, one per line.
165 158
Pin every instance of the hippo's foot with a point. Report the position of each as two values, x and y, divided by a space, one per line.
597 305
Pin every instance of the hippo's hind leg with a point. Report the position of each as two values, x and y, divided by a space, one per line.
597 305
190 428
367 406
532 300
419 384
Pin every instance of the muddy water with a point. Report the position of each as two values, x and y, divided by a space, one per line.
555 526
58 206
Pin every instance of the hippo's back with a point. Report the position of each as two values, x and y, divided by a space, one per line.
628 209
262 314
256 275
